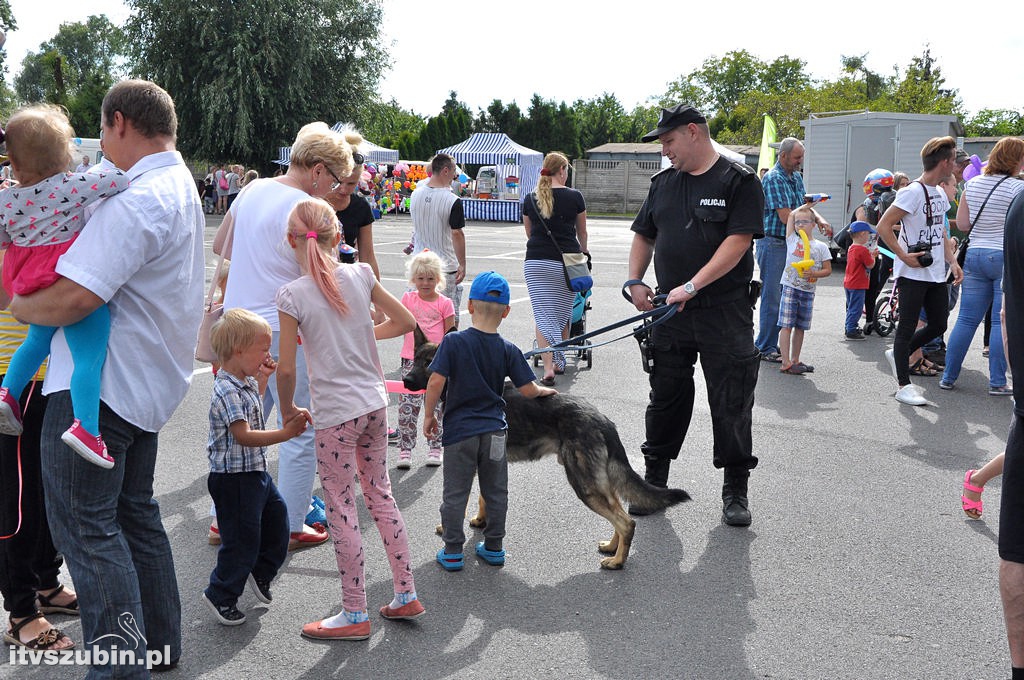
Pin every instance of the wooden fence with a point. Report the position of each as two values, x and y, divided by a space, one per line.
614 186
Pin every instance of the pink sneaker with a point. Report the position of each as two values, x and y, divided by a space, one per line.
434 457
10 414
86 445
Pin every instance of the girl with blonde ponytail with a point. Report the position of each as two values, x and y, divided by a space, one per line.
329 305
553 214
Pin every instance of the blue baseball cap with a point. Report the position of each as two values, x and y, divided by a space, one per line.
490 287
860 226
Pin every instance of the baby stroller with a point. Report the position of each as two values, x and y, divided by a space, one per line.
578 326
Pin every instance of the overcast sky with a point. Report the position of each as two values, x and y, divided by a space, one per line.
571 49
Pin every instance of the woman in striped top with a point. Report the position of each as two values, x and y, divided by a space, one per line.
983 267
553 214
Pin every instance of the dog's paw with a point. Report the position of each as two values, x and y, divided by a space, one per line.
607 547
478 522
611 563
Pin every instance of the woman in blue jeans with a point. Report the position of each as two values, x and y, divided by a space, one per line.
982 213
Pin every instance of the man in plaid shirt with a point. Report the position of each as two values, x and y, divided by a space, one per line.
783 192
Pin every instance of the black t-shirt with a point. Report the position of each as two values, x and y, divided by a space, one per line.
566 205
353 218
1013 295
689 216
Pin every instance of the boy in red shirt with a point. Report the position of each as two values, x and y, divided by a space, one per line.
860 258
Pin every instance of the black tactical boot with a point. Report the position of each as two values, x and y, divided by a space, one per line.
735 511
655 474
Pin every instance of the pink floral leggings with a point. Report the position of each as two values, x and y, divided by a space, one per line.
360 445
409 406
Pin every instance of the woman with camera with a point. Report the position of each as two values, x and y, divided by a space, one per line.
982 215
920 271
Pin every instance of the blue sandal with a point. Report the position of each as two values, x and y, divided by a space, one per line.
493 557
451 562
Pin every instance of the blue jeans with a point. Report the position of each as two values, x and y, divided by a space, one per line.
108 526
253 523
983 273
854 307
771 261
297 456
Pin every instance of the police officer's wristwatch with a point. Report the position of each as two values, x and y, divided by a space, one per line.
690 289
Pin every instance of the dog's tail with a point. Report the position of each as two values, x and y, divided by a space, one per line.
634 488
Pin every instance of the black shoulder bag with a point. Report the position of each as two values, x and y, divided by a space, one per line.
961 249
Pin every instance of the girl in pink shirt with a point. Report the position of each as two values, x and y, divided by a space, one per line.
435 316
329 306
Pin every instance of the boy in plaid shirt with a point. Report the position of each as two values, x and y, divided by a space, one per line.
252 515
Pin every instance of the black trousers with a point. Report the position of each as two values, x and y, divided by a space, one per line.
722 338
28 560
916 295
1011 509
876 282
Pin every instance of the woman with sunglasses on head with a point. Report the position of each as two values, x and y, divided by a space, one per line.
354 213
262 262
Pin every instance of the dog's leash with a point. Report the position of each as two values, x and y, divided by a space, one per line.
661 310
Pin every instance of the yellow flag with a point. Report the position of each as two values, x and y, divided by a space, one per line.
767 159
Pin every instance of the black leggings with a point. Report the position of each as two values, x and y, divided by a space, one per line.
877 279
914 296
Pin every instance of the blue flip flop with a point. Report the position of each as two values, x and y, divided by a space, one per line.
451 562
493 557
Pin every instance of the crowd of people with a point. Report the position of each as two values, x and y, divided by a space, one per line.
303 266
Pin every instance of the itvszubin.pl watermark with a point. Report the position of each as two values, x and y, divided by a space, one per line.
89 656
121 650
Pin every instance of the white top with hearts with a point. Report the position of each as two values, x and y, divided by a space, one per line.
53 211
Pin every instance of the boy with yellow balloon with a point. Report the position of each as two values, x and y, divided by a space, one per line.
807 260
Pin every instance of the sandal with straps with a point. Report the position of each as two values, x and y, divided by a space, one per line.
46 605
972 508
920 369
48 639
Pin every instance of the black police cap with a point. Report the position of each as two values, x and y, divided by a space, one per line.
680 114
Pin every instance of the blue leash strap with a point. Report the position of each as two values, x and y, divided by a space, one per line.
661 310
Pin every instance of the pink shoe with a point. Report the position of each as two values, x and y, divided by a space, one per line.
86 445
10 414
971 508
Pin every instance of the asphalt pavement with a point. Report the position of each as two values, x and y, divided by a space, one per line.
859 563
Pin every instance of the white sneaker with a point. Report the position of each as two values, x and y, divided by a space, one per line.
909 394
892 362
404 460
434 457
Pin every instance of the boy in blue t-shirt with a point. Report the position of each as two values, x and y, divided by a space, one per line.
474 364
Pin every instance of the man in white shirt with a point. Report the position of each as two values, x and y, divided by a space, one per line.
84 165
437 220
922 249
144 258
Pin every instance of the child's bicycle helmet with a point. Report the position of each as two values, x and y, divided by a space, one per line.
877 181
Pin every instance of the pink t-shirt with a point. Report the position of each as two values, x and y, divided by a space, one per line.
345 375
430 318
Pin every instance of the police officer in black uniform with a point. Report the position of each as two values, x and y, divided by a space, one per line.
698 223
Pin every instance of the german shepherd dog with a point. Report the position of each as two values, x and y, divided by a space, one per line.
587 446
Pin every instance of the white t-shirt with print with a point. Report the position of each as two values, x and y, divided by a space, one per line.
917 227
795 253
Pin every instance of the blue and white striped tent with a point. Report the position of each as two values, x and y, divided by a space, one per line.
495 148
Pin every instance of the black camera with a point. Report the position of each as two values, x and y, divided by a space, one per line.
925 247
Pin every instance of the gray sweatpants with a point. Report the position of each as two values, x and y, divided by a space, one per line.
483 455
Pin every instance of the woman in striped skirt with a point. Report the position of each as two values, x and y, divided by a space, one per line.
554 214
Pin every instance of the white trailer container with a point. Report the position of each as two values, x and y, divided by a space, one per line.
841 149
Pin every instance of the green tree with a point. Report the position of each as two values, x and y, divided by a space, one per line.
601 120
921 90
264 69
74 69
385 123
500 118
995 123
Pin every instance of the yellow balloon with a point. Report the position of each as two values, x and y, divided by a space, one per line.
803 265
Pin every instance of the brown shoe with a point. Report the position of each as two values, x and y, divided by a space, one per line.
408 611
356 631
